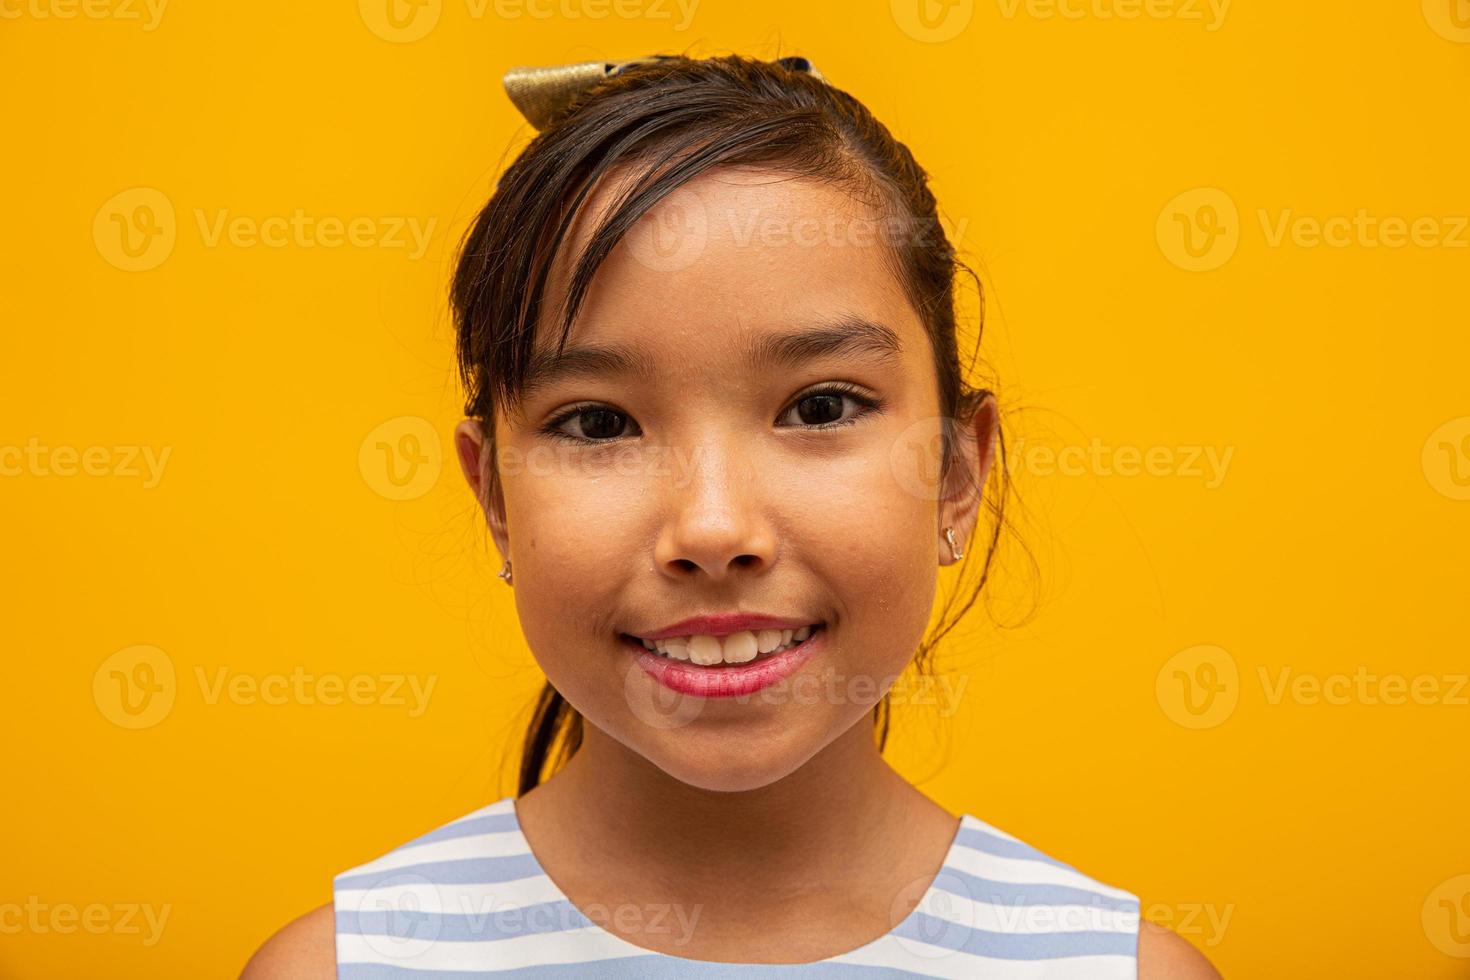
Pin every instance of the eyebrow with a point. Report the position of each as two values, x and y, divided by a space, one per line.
843 336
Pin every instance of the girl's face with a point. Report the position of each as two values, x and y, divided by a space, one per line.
677 472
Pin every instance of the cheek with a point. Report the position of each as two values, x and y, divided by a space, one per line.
870 539
570 539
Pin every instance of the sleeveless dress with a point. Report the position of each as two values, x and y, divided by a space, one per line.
469 899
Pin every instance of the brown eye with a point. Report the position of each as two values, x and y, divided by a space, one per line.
824 407
598 423
820 409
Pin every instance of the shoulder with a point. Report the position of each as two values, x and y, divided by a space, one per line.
305 947
1164 955
1017 872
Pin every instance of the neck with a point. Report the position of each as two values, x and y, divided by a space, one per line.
807 826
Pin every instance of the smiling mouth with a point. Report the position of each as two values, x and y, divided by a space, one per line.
731 650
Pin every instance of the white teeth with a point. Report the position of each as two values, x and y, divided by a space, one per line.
736 648
705 650
740 647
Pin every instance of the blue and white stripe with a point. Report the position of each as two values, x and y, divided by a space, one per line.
469 899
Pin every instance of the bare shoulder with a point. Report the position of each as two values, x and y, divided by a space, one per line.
305 947
1164 955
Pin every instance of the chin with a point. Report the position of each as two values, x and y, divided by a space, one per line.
734 771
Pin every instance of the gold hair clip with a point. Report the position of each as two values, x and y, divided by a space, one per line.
541 94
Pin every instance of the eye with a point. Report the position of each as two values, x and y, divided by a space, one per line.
822 408
598 424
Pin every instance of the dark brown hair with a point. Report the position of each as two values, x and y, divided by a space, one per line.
670 120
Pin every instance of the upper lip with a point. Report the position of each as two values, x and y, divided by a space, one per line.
722 624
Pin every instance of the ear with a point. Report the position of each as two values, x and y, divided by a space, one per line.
477 463
976 440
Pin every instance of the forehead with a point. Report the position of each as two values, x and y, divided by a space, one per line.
732 253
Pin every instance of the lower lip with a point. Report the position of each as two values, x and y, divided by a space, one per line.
726 680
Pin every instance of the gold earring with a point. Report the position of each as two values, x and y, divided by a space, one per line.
954 549
505 572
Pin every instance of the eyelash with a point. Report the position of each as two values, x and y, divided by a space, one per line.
866 403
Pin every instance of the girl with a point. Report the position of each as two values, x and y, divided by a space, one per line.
707 325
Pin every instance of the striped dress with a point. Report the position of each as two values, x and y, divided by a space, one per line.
470 900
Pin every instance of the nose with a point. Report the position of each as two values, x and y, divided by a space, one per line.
715 517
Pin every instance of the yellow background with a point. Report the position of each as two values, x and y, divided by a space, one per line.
1324 839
